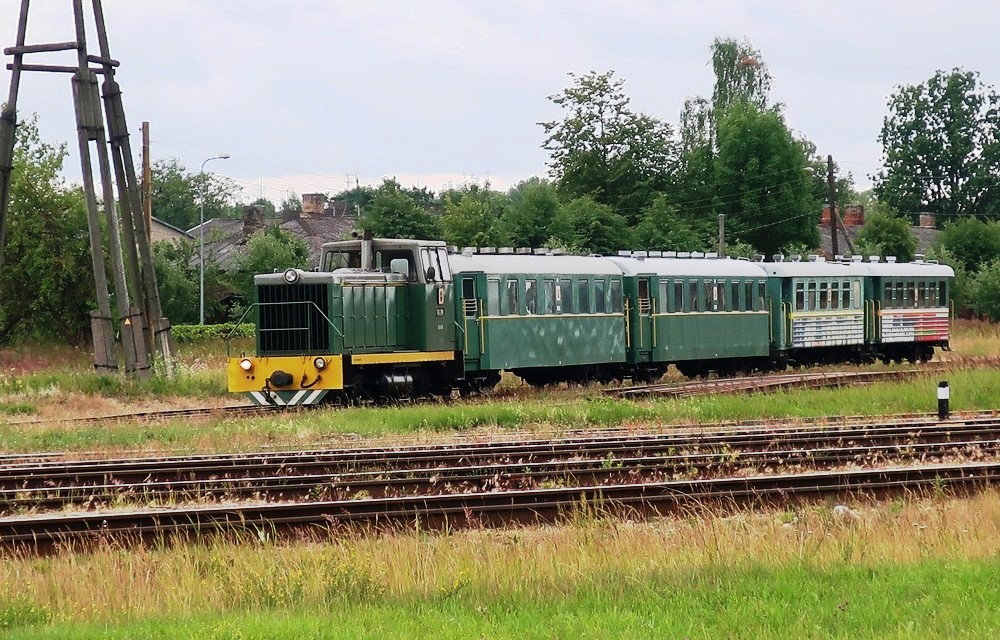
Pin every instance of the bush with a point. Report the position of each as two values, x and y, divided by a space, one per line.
202 332
985 291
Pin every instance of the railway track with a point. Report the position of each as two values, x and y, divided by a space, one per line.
487 508
471 469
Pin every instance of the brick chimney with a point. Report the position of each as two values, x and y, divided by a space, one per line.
854 215
927 220
313 204
253 220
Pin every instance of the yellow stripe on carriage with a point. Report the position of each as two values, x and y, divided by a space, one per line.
404 356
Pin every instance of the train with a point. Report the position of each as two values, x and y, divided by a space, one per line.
386 318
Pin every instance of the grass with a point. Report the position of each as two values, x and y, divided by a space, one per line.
912 568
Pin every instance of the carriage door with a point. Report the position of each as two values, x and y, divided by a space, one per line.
470 338
644 321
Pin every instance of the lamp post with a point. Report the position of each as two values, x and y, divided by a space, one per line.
201 240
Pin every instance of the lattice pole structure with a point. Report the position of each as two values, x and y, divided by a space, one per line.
128 243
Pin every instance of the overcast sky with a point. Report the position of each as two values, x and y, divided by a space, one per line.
304 93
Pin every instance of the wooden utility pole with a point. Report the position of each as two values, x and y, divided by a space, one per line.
147 183
832 203
100 118
722 235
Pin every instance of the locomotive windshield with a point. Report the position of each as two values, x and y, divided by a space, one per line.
430 264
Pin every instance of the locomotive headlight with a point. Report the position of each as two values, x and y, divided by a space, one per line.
291 276
246 364
319 363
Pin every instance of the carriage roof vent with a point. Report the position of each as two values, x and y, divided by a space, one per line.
711 254
890 259
540 252
523 251
557 252
838 258
697 254
625 253
505 251
487 249
468 251
595 255
857 258
759 257
655 254
669 254
918 258
743 258
815 258
796 258
777 258
683 254
642 255
873 258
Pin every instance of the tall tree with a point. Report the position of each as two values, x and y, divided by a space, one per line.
591 227
178 194
394 213
472 218
534 204
741 76
47 283
941 148
761 184
602 149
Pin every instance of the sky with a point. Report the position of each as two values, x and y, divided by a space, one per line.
314 96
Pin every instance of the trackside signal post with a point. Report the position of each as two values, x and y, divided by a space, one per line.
100 118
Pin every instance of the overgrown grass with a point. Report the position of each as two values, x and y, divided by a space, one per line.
906 569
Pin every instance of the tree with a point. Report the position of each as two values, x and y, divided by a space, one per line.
473 219
394 214
985 291
177 276
591 227
47 283
941 148
972 242
534 204
885 234
741 76
291 204
662 228
761 184
177 194
266 251
604 150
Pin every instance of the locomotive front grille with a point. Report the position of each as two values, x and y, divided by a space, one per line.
290 318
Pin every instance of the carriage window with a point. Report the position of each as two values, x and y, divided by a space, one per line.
493 297
564 297
710 295
513 308
897 296
800 296
834 295
616 297
824 295
720 297
583 296
693 295
600 299
530 297
921 294
942 293
856 295
887 295
911 290
761 288
734 299
664 298
678 296
748 296
812 296
549 296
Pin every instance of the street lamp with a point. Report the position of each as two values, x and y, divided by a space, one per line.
201 240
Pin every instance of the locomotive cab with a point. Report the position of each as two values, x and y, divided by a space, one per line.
377 315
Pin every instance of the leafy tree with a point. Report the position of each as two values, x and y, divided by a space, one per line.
604 150
985 291
591 227
662 228
741 76
760 182
177 194
972 242
176 264
265 205
360 197
473 220
534 204
268 250
941 147
394 213
47 284
885 234
292 203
